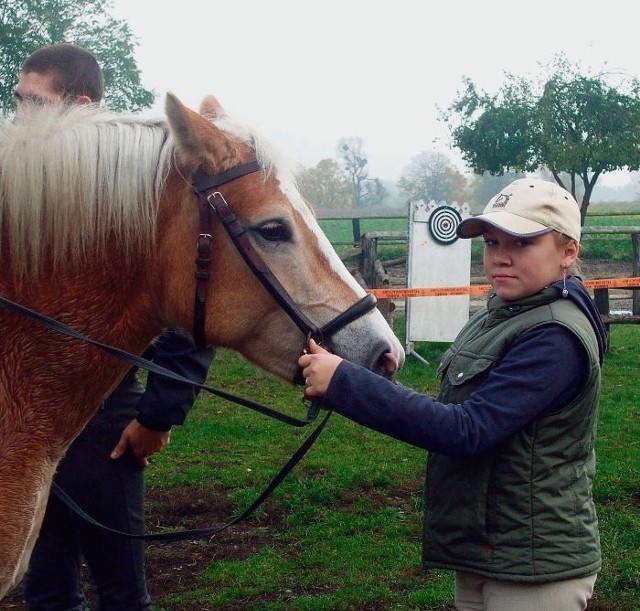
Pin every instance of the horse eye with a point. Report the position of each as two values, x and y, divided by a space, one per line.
275 231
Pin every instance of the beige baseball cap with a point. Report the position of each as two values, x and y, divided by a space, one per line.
528 207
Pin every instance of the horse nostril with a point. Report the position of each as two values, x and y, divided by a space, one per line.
387 365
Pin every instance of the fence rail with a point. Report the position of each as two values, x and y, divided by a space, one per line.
374 275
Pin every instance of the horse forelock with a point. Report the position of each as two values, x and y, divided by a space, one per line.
72 178
273 160
270 158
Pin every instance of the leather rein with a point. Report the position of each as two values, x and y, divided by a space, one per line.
209 198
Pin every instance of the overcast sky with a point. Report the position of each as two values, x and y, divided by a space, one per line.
307 73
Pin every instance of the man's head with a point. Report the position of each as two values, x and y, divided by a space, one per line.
59 73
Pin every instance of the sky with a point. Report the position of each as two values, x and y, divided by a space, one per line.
306 73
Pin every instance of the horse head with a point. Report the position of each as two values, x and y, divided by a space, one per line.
282 229
100 228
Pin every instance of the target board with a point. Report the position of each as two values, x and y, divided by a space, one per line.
437 257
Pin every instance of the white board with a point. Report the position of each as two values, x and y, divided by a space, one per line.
436 258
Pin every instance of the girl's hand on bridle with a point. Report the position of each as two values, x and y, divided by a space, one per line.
318 367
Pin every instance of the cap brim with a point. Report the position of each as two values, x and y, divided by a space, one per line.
505 221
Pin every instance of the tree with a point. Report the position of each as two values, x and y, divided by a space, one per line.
576 125
365 191
433 176
481 188
325 185
26 25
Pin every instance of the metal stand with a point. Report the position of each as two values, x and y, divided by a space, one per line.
409 350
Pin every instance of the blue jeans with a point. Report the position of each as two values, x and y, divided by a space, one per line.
111 491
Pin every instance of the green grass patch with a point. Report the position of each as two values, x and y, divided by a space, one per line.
614 247
343 530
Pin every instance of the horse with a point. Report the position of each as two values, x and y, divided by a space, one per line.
101 230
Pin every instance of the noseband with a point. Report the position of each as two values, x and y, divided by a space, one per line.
209 198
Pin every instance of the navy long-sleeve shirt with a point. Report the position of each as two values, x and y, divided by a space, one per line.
164 402
541 371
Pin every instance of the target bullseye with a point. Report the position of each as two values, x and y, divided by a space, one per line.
443 223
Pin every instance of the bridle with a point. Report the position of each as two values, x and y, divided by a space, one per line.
209 198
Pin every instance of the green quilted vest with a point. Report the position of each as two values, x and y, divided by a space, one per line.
524 510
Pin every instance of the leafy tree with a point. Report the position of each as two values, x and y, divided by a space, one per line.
482 188
26 25
365 191
433 176
576 125
325 185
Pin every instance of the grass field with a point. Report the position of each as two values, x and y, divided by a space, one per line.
343 530
614 247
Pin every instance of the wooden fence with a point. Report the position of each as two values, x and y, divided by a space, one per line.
373 274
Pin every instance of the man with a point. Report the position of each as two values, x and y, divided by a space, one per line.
103 469
59 73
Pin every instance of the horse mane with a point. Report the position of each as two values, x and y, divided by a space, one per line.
73 178
267 155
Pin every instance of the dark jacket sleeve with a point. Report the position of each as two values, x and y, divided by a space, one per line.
541 372
166 402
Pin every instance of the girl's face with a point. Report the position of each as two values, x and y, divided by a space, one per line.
518 267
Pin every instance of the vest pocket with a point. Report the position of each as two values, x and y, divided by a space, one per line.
465 367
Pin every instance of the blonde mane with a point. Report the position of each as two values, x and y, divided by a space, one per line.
73 178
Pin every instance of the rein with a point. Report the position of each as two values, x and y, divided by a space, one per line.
138 361
142 363
209 198
181 535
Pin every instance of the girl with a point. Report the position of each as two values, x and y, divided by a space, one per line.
508 497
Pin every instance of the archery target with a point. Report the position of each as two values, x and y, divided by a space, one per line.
436 258
443 223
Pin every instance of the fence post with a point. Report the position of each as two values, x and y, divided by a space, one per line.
355 224
381 280
369 254
601 299
635 241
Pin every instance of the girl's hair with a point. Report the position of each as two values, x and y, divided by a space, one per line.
564 239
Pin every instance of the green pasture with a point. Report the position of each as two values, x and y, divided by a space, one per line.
342 531
613 247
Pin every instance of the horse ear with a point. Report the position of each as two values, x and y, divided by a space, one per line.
211 108
199 143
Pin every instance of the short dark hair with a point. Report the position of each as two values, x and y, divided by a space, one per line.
76 70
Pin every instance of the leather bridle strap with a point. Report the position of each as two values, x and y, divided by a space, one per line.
182 535
203 183
138 361
260 269
205 187
358 309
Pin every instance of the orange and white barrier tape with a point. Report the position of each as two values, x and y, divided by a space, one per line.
482 289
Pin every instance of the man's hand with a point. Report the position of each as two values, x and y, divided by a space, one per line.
143 442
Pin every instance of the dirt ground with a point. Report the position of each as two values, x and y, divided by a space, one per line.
173 567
